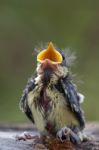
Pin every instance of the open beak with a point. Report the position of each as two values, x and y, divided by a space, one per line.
50 54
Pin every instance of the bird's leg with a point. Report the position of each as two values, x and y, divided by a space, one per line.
26 136
67 133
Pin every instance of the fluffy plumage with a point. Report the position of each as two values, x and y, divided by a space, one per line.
51 100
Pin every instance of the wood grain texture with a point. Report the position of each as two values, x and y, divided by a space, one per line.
8 142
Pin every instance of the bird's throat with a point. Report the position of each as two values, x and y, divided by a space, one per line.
44 100
47 76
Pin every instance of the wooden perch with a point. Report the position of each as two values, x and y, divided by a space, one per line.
8 142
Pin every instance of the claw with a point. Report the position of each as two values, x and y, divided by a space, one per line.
24 136
74 138
67 133
84 137
64 132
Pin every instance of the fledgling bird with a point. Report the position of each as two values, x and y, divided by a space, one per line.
51 100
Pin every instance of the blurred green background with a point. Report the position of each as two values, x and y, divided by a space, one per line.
26 23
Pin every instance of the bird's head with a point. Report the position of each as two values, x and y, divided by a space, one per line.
51 61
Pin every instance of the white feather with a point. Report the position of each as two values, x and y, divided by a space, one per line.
81 97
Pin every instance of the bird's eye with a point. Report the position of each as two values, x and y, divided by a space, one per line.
63 57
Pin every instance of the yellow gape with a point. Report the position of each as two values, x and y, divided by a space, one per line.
51 54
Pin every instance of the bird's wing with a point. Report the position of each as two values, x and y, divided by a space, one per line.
23 102
72 99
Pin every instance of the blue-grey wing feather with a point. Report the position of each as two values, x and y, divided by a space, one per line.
72 99
23 102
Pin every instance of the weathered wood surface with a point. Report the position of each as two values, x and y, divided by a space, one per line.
8 141
8 134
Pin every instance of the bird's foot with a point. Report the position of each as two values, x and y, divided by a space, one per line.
67 134
84 137
25 136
